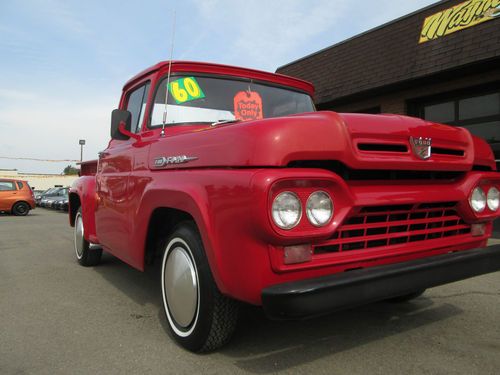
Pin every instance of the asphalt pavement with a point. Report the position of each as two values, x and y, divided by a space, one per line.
57 317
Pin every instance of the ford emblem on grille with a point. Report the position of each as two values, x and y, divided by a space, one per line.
421 147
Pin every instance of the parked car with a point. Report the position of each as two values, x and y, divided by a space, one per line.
44 195
64 205
16 197
38 195
53 195
60 202
245 193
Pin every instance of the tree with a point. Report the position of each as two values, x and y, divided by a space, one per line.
70 170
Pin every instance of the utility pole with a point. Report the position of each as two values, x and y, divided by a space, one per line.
82 143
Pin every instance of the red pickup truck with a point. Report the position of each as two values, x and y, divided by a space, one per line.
244 193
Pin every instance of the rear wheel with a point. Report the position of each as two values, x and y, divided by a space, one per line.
200 318
84 254
21 209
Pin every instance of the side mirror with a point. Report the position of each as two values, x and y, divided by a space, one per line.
120 116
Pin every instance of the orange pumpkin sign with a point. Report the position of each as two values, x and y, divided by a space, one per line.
247 105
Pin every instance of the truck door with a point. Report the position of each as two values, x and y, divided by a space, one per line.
114 219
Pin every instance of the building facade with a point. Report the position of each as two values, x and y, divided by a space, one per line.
441 63
39 181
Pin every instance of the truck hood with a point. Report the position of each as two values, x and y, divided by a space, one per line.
357 140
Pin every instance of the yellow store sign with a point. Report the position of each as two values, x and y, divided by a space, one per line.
461 16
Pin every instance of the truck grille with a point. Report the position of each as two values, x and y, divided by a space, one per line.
382 226
377 174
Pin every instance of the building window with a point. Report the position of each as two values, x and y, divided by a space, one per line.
442 112
479 113
372 110
479 106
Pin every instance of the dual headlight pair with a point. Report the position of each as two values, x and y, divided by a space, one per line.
287 209
479 199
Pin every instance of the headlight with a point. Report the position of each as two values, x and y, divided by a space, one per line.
493 199
286 210
477 200
319 208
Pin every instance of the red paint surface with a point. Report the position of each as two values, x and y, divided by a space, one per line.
228 190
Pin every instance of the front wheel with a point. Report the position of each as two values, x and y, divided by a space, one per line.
84 254
200 318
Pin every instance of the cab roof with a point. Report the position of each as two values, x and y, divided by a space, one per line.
228 70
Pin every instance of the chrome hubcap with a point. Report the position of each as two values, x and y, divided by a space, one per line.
79 236
181 286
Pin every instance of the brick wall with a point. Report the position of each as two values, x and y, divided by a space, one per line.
395 101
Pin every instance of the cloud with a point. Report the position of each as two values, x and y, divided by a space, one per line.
10 94
49 128
58 14
284 27
64 62
269 33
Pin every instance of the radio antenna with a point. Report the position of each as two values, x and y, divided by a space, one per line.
162 134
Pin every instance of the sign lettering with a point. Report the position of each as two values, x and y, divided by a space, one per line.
459 17
247 106
185 90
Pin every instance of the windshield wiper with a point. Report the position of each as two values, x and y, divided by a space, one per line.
229 121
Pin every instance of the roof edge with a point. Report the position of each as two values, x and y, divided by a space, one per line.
163 64
363 33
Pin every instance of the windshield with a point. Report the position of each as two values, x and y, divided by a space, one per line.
194 99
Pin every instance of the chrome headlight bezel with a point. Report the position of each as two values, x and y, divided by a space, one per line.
313 219
277 209
477 200
493 199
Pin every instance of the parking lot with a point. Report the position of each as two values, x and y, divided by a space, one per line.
58 317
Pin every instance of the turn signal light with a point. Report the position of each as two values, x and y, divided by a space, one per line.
297 254
478 230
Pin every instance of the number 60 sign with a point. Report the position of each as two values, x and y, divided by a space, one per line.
185 89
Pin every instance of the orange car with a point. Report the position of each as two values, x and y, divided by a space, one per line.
16 197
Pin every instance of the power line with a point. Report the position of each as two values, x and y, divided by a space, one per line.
46 160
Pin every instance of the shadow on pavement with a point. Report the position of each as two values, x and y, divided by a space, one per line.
261 346
141 287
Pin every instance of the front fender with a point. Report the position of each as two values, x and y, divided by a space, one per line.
188 199
210 197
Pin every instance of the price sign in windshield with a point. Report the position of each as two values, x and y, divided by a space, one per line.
185 89
247 105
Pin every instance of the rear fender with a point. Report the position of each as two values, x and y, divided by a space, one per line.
84 189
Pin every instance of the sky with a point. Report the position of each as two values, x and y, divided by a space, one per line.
63 63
